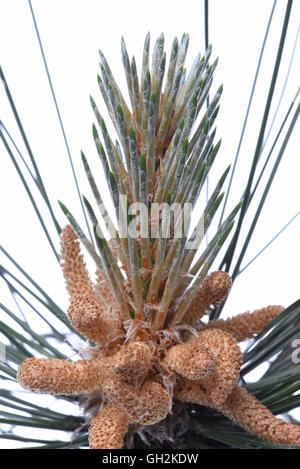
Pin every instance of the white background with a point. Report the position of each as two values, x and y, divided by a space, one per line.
72 32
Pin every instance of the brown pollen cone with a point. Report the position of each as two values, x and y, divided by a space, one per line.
212 390
54 376
255 418
133 362
148 405
245 326
214 289
108 428
90 319
192 361
73 266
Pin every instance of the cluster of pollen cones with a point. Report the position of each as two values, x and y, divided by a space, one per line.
140 372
